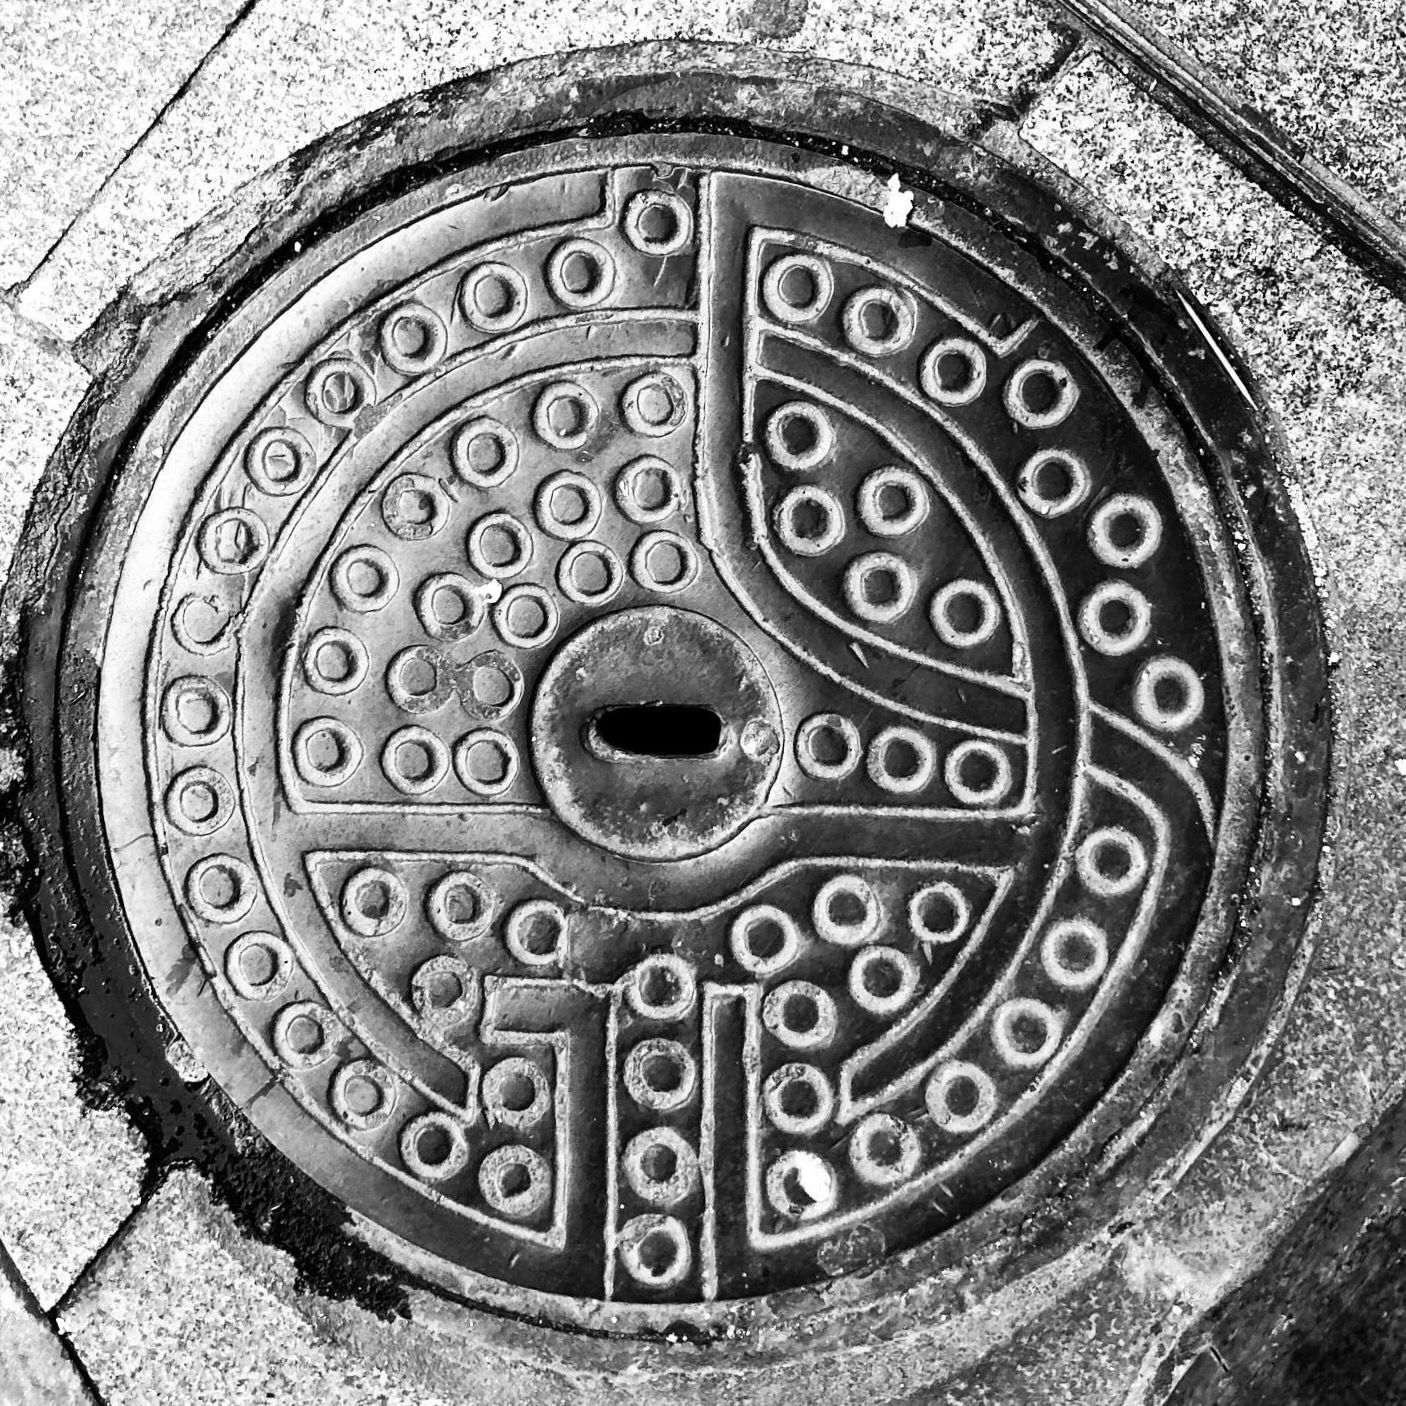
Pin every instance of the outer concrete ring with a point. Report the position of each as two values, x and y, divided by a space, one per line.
717 88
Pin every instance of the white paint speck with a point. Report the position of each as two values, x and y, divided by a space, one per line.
898 204
815 1181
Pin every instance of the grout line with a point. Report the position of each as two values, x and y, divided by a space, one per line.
1255 146
29 1305
151 1184
80 1368
235 21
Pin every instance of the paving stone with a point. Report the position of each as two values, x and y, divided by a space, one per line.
34 1368
298 68
1330 73
68 1176
80 85
226 1333
1324 344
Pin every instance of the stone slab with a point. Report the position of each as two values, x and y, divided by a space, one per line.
287 75
1085 1350
79 85
68 1176
35 1369
181 1313
1331 76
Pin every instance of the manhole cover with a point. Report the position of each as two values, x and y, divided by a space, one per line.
668 736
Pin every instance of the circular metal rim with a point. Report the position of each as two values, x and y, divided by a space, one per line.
697 86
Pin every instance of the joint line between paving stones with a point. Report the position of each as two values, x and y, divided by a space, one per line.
44 337
151 1184
10 1272
1251 143
235 21
1032 87
80 1368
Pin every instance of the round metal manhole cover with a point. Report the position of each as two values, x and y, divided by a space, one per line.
667 738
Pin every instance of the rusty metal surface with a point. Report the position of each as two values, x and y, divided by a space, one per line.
676 423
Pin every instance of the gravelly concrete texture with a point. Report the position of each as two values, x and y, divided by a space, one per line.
181 1308
35 1368
228 1332
81 85
1331 74
298 68
68 1175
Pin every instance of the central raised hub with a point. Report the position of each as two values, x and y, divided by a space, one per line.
646 802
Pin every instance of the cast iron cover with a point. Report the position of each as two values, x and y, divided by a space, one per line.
667 736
